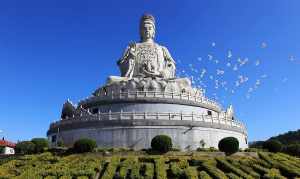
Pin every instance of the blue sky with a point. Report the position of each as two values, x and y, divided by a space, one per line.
54 50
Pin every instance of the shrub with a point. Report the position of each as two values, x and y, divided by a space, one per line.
161 143
293 149
1 149
84 145
204 175
149 170
40 144
60 143
25 147
213 171
160 168
272 145
229 145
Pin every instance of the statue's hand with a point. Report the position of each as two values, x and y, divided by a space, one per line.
132 49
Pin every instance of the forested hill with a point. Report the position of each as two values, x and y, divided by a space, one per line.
290 137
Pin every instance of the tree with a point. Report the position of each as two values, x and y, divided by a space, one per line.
272 145
84 145
161 143
40 144
229 145
1 149
293 149
25 147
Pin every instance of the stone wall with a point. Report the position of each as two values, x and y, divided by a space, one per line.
139 137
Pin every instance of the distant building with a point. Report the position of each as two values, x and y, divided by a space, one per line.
9 147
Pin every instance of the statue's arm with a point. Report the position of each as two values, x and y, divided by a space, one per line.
126 62
167 55
125 54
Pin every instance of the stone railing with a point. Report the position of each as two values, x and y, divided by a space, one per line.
119 95
193 117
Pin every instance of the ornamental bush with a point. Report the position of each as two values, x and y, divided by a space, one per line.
229 145
272 145
161 143
40 144
25 147
84 145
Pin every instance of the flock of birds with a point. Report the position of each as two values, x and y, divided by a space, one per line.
227 77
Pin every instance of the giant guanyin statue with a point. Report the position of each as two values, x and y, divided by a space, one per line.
147 58
147 65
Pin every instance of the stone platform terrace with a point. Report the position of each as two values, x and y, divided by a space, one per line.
135 130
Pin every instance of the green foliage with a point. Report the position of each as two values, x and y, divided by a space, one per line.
244 168
229 145
204 175
84 145
160 169
293 149
94 165
60 143
1 149
213 171
25 147
161 143
111 168
232 176
148 170
272 145
226 166
290 137
285 168
191 173
177 172
129 163
40 144
273 174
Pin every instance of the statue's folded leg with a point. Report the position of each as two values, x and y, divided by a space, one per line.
115 79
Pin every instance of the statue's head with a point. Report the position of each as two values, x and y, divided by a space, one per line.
147 27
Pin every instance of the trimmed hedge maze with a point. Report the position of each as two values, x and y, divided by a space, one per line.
95 166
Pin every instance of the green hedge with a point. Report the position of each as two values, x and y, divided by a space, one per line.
161 143
229 145
84 145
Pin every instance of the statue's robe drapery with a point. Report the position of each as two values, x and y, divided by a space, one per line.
147 60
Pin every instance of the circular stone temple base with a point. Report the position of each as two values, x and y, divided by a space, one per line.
140 135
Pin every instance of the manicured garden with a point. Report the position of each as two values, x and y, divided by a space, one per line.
134 165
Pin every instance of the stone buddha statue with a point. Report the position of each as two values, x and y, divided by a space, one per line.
147 64
146 58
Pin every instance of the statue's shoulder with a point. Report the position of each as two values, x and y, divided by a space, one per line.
131 45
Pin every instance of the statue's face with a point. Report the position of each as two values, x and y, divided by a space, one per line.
147 31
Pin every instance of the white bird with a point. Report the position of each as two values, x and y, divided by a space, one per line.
263 45
210 57
291 58
284 79
250 90
220 72
202 73
264 76
235 68
257 62
229 55
213 44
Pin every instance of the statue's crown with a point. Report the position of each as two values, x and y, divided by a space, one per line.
147 18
